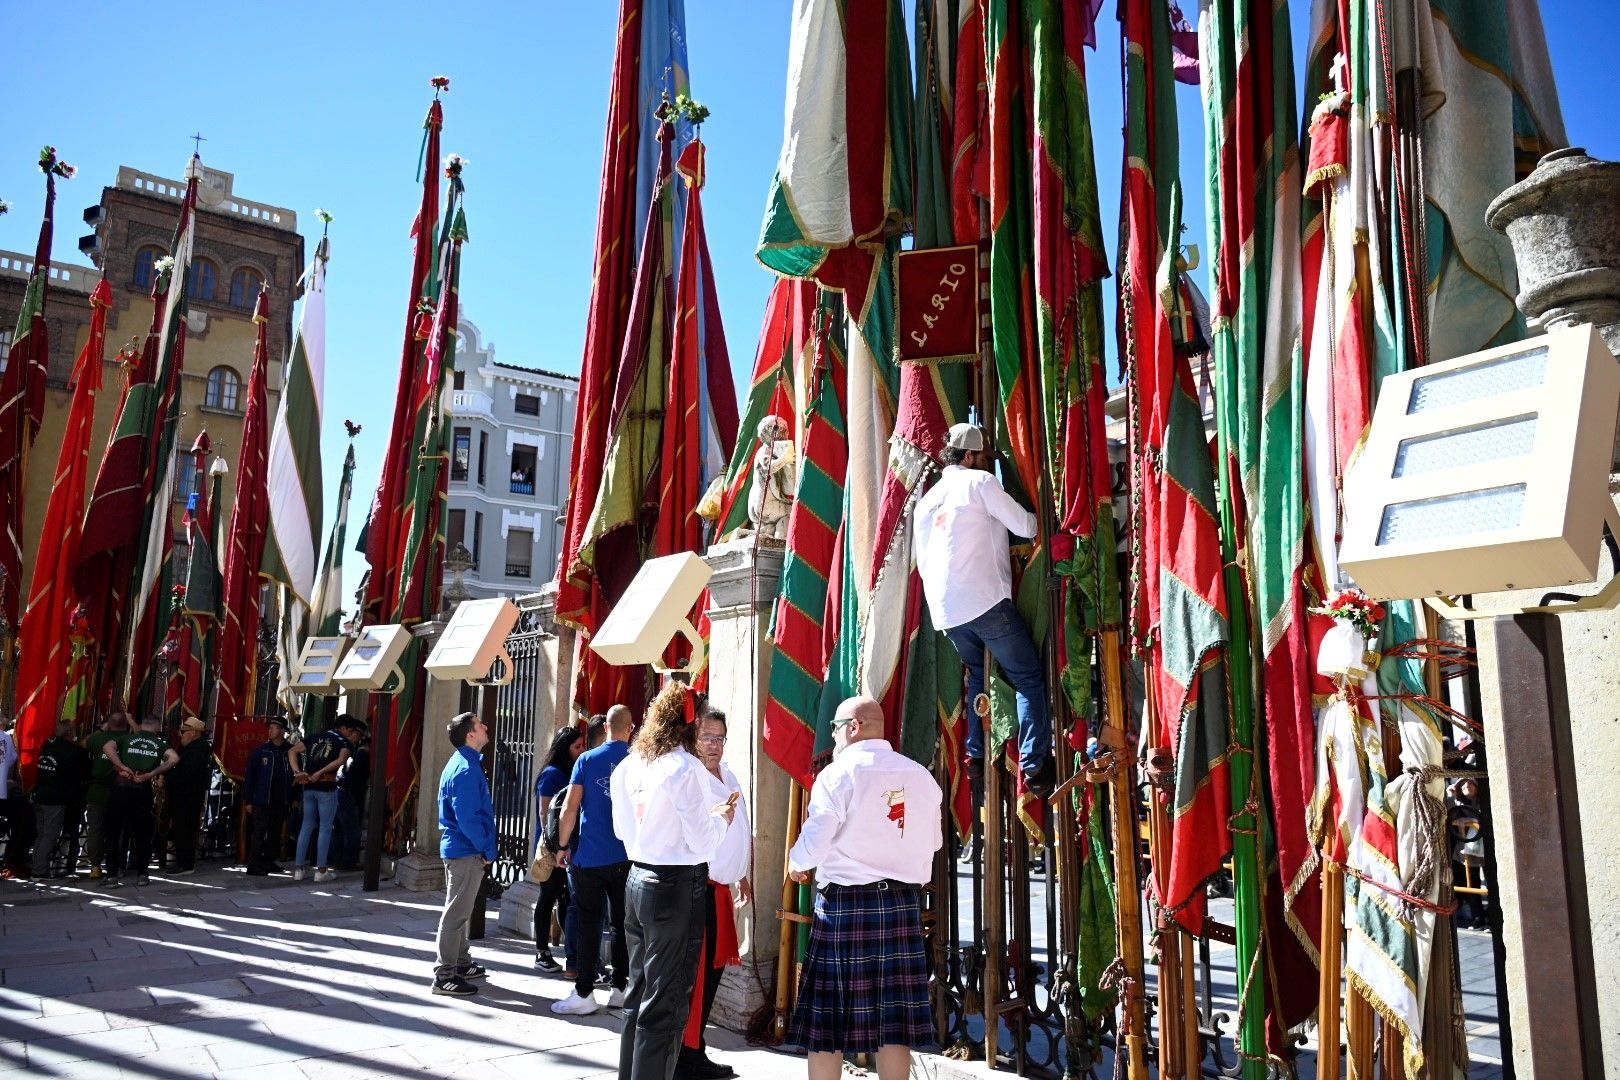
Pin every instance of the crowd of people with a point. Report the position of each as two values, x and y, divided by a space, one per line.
125 796
645 839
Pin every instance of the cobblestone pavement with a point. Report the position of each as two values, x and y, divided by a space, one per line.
262 978
224 975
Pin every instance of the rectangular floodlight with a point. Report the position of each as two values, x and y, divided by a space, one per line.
473 639
374 659
653 610
1487 473
314 667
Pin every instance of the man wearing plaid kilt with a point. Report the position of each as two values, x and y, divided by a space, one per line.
870 836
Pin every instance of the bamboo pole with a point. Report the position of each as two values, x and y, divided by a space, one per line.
1358 1028
1192 1038
1169 937
1328 993
1129 893
1438 1052
995 927
785 961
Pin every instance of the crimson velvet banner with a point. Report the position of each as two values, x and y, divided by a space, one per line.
939 304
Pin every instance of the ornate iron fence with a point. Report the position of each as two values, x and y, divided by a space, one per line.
516 722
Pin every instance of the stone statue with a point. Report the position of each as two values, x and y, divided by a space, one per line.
775 480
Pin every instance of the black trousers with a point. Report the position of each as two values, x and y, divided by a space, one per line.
19 818
129 828
663 929
598 891
265 847
553 895
185 822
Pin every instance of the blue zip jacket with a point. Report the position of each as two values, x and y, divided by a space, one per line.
269 776
466 812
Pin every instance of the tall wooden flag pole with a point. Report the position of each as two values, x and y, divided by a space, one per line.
22 406
244 549
148 607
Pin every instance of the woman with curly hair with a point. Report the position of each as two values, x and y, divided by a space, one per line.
663 810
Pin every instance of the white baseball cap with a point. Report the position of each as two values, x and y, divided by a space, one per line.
965 437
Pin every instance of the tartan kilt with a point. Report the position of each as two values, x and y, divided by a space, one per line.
865 977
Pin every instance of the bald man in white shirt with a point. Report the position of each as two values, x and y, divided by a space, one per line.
869 837
963 525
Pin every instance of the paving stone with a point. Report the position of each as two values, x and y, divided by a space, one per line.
96 1045
205 990
73 1023
104 1000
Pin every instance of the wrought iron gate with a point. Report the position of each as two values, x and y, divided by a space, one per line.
516 722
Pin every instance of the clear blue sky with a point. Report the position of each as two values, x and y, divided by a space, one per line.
321 105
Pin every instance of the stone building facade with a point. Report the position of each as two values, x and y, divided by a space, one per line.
511 444
240 245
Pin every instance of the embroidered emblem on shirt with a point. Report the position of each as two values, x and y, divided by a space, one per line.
897 807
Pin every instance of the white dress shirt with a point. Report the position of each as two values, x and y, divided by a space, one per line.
729 863
663 810
960 536
874 814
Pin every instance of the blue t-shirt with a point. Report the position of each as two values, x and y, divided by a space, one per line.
598 844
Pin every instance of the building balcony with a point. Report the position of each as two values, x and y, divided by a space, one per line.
472 403
522 487
517 570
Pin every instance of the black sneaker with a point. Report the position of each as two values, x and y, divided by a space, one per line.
545 963
143 880
472 971
454 986
114 883
1043 780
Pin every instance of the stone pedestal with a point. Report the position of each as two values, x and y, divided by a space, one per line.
517 908
1564 223
552 705
421 870
747 575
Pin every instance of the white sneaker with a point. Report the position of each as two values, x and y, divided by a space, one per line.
574 1005
323 876
616 999
298 873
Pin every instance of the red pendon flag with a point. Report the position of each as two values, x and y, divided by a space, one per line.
1179 616
385 526
105 561
42 669
612 283
22 398
244 546
700 419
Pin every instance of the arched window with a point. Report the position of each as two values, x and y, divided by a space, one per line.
245 286
143 265
204 279
223 387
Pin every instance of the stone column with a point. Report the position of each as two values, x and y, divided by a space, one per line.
552 704
421 869
747 575
1564 223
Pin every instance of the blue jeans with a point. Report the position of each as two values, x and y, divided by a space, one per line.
1002 631
321 806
